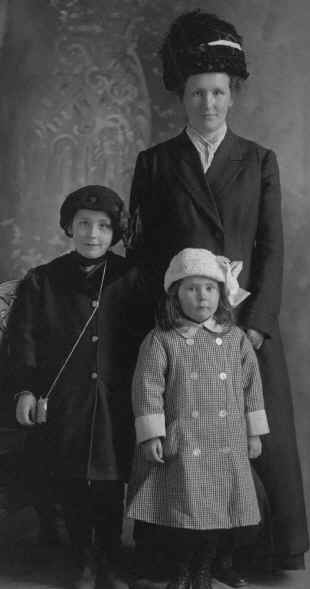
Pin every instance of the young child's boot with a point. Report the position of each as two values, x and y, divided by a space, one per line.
87 571
182 579
224 572
202 568
86 580
108 575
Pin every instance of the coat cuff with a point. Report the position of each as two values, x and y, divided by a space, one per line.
150 426
257 424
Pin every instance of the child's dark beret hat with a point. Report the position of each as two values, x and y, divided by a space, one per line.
198 42
95 198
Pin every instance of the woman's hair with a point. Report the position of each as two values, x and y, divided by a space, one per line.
170 315
235 83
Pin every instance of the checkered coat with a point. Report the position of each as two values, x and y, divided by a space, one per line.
201 391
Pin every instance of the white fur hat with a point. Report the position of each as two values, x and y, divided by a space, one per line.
201 262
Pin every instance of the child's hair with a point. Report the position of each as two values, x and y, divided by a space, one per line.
170 314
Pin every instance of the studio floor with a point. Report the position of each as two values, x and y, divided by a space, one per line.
25 565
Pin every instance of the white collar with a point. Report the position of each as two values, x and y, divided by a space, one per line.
189 328
213 140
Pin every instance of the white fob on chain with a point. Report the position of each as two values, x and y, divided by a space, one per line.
41 416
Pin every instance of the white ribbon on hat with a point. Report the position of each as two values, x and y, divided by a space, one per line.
235 294
226 44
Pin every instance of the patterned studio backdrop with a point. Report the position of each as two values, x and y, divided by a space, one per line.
78 112
81 95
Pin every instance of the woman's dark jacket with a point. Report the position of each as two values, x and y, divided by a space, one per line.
233 210
89 430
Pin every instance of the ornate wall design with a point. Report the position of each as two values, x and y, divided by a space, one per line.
83 118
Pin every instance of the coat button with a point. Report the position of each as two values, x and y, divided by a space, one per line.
190 341
195 413
94 304
223 413
196 452
94 375
94 338
219 341
223 375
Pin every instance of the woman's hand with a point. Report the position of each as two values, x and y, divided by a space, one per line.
26 408
254 447
256 338
153 450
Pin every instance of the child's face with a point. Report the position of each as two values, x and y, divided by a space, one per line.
199 297
92 233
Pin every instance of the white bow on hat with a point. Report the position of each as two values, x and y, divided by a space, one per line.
235 294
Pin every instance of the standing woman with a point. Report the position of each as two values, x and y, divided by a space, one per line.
209 188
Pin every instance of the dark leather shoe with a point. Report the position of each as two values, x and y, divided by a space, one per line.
182 579
87 579
202 578
229 576
109 578
87 569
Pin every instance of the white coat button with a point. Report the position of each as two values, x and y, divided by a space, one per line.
223 375
94 338
196 452
194 375
195 413
94 304
190 341
219 341
223 413
94 375
226 450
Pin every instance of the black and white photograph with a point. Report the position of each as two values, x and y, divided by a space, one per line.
154 294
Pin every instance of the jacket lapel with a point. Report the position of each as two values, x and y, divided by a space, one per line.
188 170
226 165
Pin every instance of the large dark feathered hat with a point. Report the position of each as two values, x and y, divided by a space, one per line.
95 198
199 42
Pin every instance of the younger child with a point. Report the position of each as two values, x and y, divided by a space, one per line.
199 414
67 335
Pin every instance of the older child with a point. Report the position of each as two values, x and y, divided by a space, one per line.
68 342
199 415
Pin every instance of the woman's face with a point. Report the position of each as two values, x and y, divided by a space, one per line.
199 297
92 233
207 99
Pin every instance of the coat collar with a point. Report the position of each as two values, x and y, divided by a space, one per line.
227 163
116 266
189 329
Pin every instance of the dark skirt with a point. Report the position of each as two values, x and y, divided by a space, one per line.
279 466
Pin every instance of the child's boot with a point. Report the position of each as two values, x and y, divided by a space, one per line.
108 576
182 578
224 572
87 570
202 568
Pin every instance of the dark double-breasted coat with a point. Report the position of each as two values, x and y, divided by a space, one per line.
233 210
89 427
